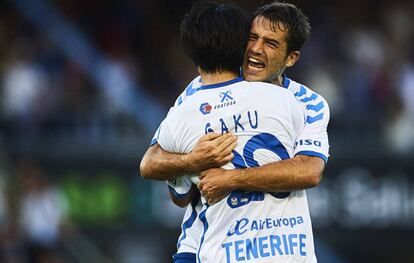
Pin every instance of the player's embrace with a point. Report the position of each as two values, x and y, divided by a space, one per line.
249 226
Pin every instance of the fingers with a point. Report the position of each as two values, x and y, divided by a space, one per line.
210 136
228 144
229 149
200 186
213 199
223 151
202 175
227 158
219 140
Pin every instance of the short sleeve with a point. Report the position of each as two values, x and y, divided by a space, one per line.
313 140
180 186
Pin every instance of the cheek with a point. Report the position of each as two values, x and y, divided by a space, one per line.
276 61
249 46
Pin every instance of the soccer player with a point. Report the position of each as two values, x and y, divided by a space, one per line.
278 32
280 227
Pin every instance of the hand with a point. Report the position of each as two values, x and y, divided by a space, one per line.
211 151
214 184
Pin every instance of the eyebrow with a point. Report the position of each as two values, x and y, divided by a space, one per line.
268 39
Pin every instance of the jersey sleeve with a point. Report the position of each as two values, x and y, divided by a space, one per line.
313 140
154 139
297 116
188 91
163 133
179 186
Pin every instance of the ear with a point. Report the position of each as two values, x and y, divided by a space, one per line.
292 58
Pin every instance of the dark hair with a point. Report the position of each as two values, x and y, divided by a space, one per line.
288 15
214 36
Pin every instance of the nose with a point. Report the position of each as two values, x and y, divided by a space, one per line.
256 46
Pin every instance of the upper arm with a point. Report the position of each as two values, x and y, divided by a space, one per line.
153 163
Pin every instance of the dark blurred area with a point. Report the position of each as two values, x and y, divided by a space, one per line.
84 85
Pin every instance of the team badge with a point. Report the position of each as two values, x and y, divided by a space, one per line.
205 108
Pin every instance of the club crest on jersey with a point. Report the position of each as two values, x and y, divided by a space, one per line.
225 100
205 108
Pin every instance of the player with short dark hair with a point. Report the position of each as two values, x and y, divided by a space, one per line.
286 16
205 39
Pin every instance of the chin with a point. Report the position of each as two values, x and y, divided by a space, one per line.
253 78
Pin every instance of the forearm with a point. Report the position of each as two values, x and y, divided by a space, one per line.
211 150
300 172
158 164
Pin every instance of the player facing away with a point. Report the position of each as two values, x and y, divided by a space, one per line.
254 226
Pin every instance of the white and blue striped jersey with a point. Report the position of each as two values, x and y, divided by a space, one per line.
313 140
259 227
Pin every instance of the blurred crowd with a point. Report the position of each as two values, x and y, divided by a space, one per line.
360 57
33 216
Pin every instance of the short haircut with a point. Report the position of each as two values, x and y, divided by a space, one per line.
214 36
288 15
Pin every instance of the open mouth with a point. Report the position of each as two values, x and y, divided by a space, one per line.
255 63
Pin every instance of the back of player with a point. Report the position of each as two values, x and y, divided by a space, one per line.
258 227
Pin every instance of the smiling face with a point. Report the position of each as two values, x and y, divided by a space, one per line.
266 55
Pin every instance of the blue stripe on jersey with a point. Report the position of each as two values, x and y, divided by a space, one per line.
180 100
238 160
316 107
153 141
301 92
312 153
221 84
156 136
178 195
312 97
184 257
318 117
263 141
285 82
189 89
205 224
187 224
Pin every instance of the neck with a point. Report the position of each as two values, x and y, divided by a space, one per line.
278 80
216 77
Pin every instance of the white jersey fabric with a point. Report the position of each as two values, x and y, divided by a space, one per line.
313 140
255 227
317 115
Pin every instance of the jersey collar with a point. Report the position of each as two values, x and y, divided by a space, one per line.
286 81
221 84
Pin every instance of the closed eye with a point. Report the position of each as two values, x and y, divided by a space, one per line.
272 43
253 37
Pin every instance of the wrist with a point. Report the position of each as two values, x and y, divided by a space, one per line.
232 179
188 163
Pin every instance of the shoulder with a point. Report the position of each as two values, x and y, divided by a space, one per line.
302 93
190 89
314 105
268 88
